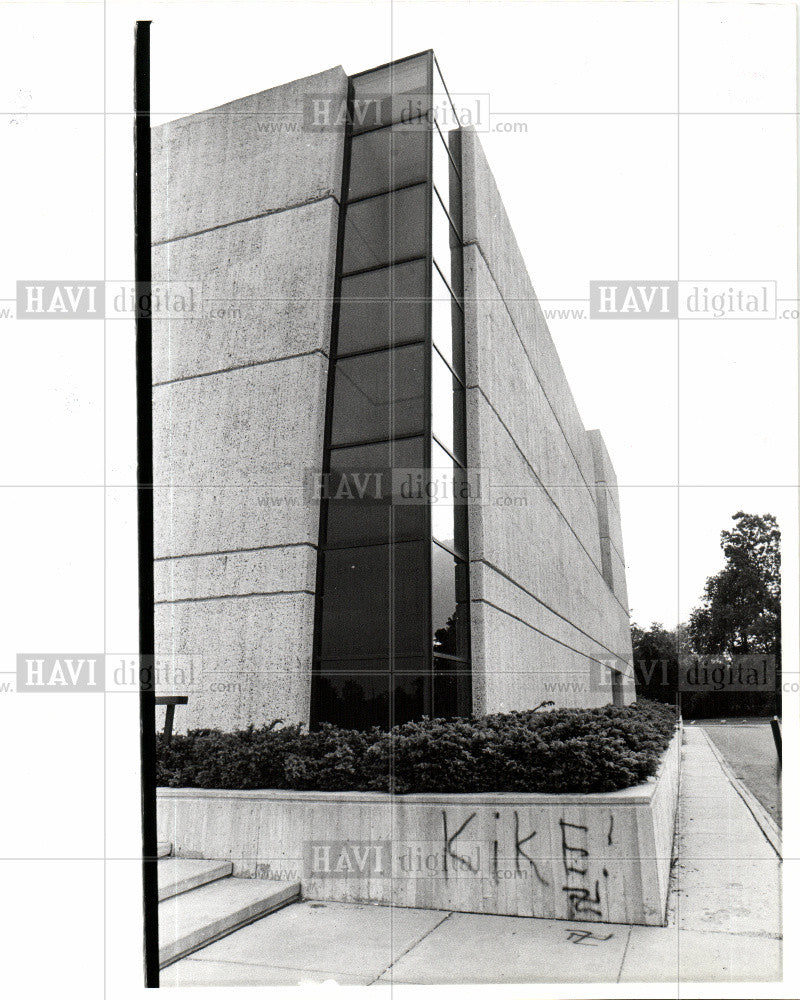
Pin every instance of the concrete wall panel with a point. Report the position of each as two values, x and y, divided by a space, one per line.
498 363
253 653
255 308
245 202
487 227
256 571
547 583
533 543
245 159
232 454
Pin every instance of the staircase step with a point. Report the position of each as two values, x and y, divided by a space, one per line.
176 875
194 919
163 849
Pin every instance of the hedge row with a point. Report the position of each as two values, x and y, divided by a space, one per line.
564 750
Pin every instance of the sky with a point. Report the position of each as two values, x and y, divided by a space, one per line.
601 179
700 417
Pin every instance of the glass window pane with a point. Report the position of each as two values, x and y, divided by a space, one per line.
386 159
449 500
380 395
446 115
446 248
446 180
385 229
372 598
362 493
358 696
383 307
447 407
396 92
351 700
452 688
448 604
447 324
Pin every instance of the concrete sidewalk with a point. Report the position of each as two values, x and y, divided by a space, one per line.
724 921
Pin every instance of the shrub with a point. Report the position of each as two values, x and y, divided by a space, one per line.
564 750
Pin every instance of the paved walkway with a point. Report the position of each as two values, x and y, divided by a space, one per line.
749 748
724 921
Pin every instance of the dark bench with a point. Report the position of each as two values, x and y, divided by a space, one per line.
170 700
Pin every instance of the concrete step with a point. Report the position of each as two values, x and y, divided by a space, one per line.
163 849
177 875
194 919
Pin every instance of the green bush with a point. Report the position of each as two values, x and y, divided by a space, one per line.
564 750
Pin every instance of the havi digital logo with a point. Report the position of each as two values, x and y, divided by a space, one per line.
60 299
60 672
633 299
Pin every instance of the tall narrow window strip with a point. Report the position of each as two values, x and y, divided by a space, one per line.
391 617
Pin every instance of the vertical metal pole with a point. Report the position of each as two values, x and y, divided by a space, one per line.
144 421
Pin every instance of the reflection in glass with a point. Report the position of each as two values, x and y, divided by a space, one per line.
450 500
362 491
452 688
446 180
446 248
380 395
387 159
447 407
442 99
447 324
400 91
372 601
385 229
449 604
382 307
359 697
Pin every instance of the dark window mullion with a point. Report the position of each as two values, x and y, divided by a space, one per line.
379 267
382 194
454 552
447 215
428 577
449 286
383 440
453 372
447 150
453 295
456 461
338 546
377 350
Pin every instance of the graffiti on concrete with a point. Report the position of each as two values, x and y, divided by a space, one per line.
512 855
582 901
455 860
450 855
578 936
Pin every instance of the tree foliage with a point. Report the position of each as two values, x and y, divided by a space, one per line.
740 610
657 656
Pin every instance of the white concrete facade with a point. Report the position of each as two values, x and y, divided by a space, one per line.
239 399
247 203
547 574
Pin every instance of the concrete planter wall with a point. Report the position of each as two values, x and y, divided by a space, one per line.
603 856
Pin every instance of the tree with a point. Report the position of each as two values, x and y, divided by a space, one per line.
740 613
741 606
657 656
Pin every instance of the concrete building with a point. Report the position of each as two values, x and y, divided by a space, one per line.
367 326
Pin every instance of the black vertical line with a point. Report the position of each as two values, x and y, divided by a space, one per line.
144 442
316 657
464 683
430 684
